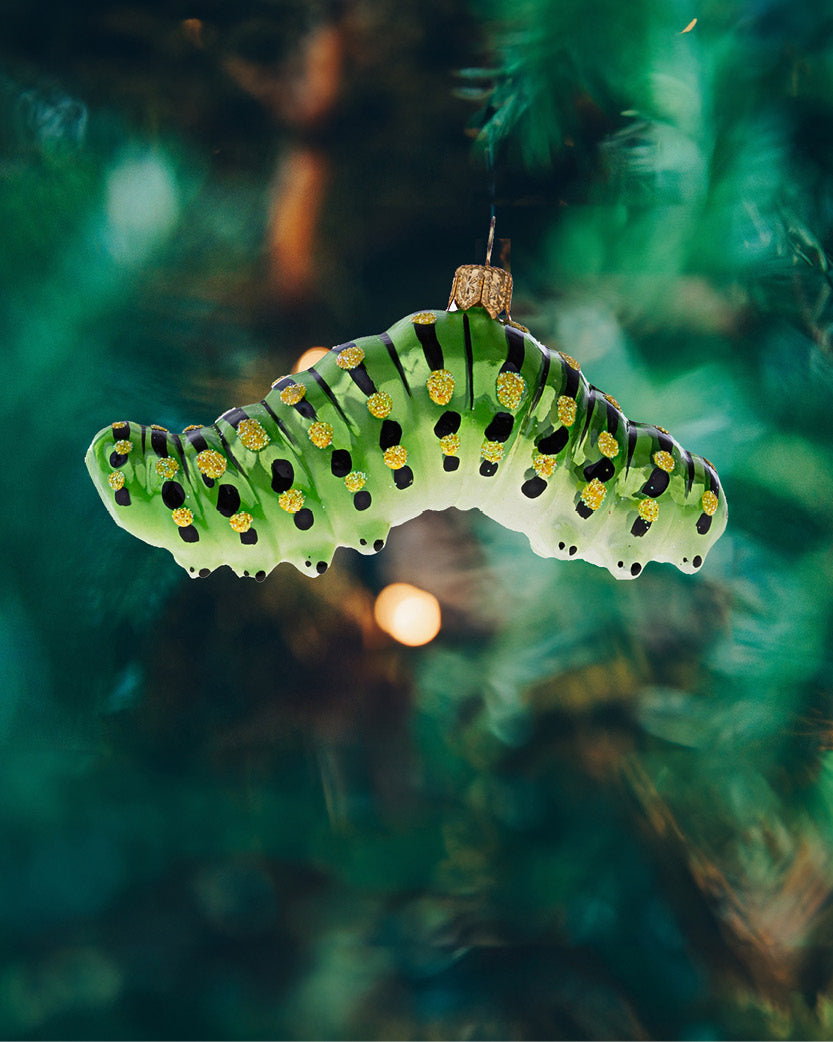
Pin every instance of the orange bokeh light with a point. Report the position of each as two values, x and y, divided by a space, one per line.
308 358
408 614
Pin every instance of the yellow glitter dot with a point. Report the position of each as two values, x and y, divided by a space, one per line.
511 388
291 501
182 516
120 423
709 501
613 402
156 427
241 522
320 434
424 318
664 460
396 456
450 444
440 386
570 360
115 480
123 447
192 427
211 463
608 445
517 325
664 431
350 357
543 465
292 394
379 405
252 434
355 480
492 451
648 510
593 494
567 410
167 467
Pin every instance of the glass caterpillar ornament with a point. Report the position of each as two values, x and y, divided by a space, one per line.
462 407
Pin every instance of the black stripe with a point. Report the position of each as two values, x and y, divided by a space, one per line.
712 475
197 440
553 443
361 378
590 405
665 441
501 427
227 448
469 360
122 433
144 432
284 382
633 436
280 425
542 382
427 336
689 465
515 342
325 387
394 357
180 449
571 379
612 418
159 443
234 416
448 423
390 435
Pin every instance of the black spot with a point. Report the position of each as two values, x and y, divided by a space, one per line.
448 423
173 495
501 427
640 526
533 488
321 567
363 542
361 500
341 463
488 469
246 571
573 551
308 564
697 561
190 569
205 572
403 478
583 510
282 475
122 433
228 500
117 459
249 538
621 564
561 546
303 519
122 497
704 523
603 470
209 482
260 576
378 544
305 408
555 442
636 569
390 435
450 463
685 560
657 483
159 442
189 534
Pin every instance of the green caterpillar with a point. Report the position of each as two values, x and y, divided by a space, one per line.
447 408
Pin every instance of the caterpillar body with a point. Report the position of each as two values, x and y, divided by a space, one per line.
447 408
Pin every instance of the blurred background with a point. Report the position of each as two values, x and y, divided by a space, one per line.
585 809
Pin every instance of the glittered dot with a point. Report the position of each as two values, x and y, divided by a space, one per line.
648 510
350 357
252 434
608 445
709 501
492 451
566 410
511 388
192 427
167 467
182 517
293 393
320 434
241 522
440 386
664 431
613 402
157 427
123 446
543 465
120 423
593 494
424 318
291 501
570 361
211 463
115 480
396 456
450 444
664 460
379 404
355 480
517 325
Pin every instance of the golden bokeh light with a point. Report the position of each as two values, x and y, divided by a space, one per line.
408 614
308 358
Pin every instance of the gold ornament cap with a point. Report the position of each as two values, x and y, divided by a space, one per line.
481 286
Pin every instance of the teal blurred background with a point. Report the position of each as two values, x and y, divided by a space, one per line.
588 809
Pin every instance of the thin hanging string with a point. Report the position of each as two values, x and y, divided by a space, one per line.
490 160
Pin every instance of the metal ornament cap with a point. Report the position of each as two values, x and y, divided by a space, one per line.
480 285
